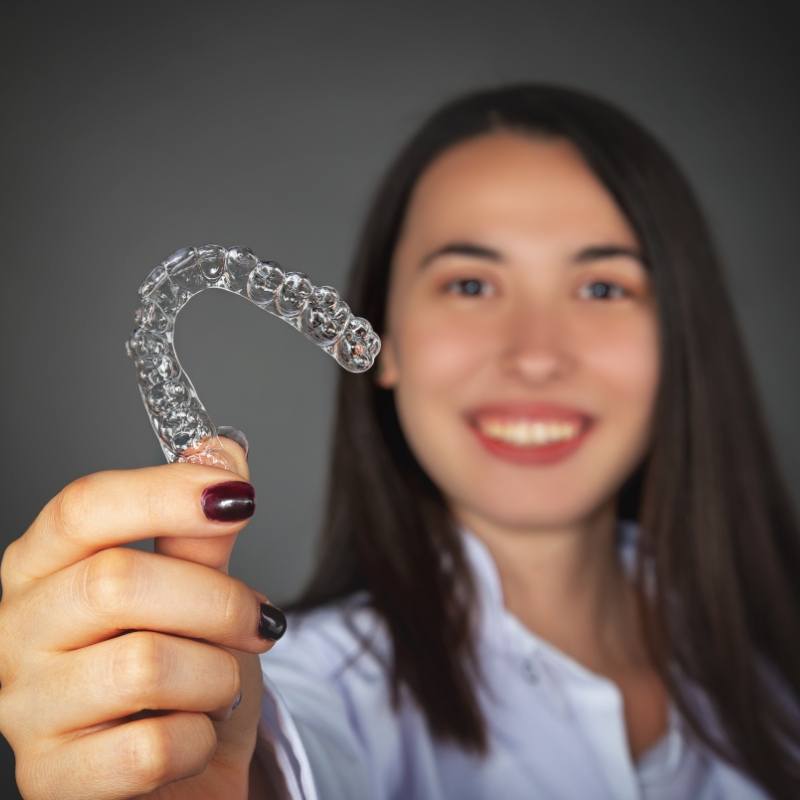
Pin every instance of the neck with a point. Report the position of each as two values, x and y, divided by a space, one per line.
567 586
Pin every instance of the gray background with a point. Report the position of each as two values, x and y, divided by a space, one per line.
132 129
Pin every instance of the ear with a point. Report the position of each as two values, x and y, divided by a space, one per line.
387 373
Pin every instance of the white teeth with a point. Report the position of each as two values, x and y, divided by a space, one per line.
523 433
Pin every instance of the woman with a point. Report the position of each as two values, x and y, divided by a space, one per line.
530 246
558 558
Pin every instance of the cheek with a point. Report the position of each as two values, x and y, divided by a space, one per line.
438 359
626 358
434 351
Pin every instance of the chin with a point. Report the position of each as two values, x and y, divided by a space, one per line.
523 517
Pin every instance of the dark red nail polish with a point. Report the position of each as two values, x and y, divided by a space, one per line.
229 502
271 623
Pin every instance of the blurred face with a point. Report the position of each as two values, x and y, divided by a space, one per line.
521 340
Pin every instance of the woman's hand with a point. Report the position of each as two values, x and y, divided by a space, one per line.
92 634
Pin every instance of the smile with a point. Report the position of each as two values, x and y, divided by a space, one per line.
530 434
524 433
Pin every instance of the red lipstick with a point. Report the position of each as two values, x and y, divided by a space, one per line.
530 454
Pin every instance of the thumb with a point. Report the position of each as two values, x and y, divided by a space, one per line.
212 551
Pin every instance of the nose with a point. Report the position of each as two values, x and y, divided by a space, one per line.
536 346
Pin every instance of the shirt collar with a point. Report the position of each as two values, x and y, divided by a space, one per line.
504 634
490 591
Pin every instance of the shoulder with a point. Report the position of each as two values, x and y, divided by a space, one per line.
339 641
330 673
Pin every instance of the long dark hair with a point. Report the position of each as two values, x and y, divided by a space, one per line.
714 514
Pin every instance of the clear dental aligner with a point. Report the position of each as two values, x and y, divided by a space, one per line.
180 421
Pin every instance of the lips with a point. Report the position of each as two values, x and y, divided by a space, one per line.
522 433
530 411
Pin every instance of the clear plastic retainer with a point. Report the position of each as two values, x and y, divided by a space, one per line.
179 419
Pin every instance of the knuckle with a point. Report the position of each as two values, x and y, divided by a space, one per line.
70 507
206 738
34 772
138 666
148 753
152 755
157 504
110 581
7 565
235 671
229 602
26 775
9 715
17 644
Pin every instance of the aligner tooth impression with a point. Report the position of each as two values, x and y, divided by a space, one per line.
177 416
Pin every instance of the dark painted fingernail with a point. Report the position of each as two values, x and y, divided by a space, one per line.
229 501
272 622
236 435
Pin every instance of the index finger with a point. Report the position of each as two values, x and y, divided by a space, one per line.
110 508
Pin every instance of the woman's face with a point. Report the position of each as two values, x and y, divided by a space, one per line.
521 340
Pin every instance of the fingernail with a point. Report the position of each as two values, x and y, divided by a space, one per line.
229 501
272 622
238 436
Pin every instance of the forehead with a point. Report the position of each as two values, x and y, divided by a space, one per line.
513 182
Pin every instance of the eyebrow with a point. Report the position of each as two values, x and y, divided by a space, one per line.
587 255
463 249
598 252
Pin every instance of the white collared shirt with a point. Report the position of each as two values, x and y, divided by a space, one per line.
556 729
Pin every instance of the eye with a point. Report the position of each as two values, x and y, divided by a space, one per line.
604 290
469 287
